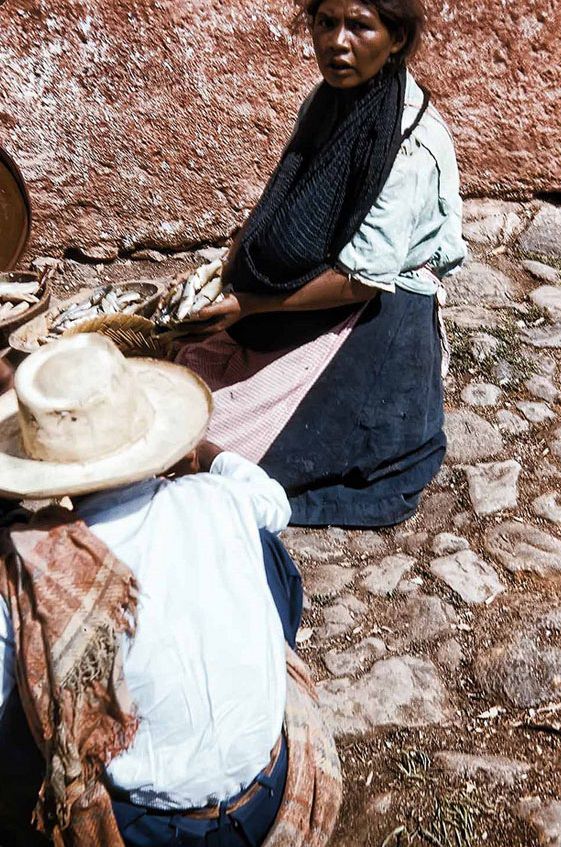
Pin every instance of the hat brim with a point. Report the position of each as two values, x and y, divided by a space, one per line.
182 406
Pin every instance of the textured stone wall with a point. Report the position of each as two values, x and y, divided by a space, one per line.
154 123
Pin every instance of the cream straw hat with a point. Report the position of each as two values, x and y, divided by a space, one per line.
82 418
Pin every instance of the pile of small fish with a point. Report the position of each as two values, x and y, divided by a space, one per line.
189 296
17 297
108 300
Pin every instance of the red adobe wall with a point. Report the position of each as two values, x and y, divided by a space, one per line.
156 122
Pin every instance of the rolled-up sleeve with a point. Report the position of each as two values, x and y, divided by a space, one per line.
267 497
378 251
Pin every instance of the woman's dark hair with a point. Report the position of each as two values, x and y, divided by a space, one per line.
401 17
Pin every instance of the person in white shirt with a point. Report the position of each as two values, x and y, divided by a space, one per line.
219 596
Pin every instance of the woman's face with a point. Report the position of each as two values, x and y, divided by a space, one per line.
351 42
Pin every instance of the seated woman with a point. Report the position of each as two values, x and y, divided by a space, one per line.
325 360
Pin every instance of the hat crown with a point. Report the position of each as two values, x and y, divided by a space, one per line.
78 401
61 377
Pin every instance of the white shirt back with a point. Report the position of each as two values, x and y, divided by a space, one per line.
206 668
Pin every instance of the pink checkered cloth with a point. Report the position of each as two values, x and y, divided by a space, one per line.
256 394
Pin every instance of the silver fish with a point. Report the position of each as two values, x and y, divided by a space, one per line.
187 297
206 272
70 313
187 300
127 297
19 291
207 295
5 310
108 306
17 309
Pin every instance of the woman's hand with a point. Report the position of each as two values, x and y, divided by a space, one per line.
219 316
327 291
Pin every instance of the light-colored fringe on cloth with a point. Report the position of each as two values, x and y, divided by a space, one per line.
69 599
313 791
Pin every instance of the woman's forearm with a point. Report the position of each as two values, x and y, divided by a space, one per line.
327 291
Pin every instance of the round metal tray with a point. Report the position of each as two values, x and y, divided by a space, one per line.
15 212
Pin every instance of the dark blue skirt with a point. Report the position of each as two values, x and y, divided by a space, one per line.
368 437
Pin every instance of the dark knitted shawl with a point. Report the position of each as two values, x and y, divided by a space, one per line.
326 182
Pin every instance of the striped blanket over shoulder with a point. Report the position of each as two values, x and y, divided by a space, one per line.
69 599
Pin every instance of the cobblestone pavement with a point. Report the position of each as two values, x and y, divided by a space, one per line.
437 644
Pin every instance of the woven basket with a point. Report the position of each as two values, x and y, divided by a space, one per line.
25 339
133 335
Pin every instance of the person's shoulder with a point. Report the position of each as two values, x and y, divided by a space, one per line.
118 500
431 136
432 127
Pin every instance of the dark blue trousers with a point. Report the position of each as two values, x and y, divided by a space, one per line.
21 774
246 827
22 767
285 584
